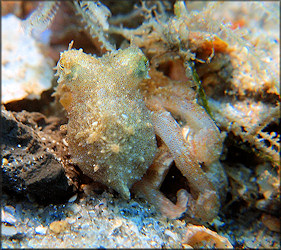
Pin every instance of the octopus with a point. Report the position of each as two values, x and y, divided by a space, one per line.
116 107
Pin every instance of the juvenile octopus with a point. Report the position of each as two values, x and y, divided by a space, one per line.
109 131
114 114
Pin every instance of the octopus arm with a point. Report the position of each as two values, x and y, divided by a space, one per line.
203 202
160 167
150 184
145 189
203 135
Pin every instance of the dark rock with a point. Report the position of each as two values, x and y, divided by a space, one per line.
33 157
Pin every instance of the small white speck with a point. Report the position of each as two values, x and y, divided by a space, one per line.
171 234
71 220
41 230
73 198
7 217
64 142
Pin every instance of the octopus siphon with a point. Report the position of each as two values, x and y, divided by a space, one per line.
116 107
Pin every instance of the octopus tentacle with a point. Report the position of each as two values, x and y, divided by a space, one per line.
160 167
151 182
204 137
203 202
167 208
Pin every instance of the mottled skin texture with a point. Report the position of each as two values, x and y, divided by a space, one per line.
110 133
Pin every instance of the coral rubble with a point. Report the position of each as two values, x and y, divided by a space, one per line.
26 72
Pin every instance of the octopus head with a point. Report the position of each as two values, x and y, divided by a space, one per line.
134 63
67 63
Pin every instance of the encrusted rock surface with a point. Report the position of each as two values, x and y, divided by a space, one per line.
30 165
26 71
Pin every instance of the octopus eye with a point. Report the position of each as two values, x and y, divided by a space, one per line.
61 66
142 68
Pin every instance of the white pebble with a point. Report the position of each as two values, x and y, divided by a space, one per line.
171 234
8 230
73 198
71 220
41 230
8 218
74 208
